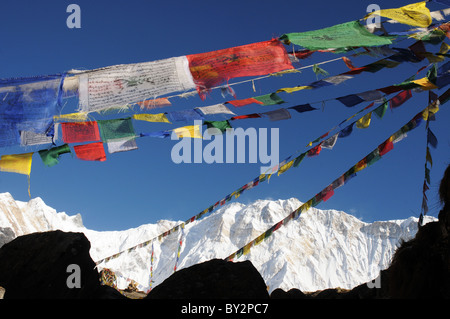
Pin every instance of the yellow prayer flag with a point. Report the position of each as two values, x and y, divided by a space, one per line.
78 117
306 206
425 84
285 167
16 163
294 89
364 122
160 117
416 14
247 248
432 108
192 131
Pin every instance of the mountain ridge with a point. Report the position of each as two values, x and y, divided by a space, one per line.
321 249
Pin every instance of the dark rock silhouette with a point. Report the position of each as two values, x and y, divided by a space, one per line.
213 279
35 266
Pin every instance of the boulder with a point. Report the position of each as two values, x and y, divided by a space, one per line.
213 279
50 265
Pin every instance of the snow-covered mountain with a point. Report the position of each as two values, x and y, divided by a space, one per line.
321 249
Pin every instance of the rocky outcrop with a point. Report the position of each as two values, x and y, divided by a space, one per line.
50 265
213 279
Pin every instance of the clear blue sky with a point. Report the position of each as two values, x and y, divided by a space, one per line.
142 186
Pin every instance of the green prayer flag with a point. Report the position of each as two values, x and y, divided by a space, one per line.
349 34
50 157
221 125
116 129
381 110
269 99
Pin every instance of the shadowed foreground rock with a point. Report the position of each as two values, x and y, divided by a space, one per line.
213 279
35 266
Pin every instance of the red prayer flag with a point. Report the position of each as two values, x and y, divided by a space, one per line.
80 132
400 98
385 147
239 103
248 116
213 68
91 152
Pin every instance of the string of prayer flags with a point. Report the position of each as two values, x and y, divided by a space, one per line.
371 158
328 191
215 109
51 156
120 85
213 68
160 117
90 152
16 163
415 14
341 36
79 132
116 129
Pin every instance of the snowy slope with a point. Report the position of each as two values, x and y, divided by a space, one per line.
321 249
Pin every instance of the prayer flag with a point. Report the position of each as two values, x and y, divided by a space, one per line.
121 145
314 151
302 108
154 103
16 163
247 116
277 115
184 115
220 125
350 100
269 99
295 89
160 117
159 134
416 14
431 138
341 36
215 109
364 122
385 147
192 131
120 85
51 156
381 110
285 167
400 98
239 103
90 152
330 142
346 131
28 104
116 129
80 132
213 68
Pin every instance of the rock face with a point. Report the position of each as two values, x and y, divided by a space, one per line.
37 266
213 279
